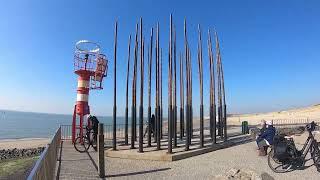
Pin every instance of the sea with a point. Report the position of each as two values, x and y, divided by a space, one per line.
17 125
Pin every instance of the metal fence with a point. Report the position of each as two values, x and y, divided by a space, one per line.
46 164
290 123
66 131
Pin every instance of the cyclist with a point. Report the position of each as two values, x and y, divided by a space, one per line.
266 138
94 126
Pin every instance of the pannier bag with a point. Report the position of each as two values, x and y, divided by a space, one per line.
281 148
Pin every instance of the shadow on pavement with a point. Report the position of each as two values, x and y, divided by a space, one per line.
136 173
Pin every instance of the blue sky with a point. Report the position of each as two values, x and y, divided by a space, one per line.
270 50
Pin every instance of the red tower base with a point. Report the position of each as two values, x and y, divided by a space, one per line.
78 128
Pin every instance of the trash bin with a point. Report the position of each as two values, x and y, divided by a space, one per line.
245 127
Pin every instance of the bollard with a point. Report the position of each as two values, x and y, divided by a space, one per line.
245 127
101 151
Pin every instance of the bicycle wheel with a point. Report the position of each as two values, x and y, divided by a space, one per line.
315 154
277 166
81 144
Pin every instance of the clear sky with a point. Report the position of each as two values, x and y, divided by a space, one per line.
270 50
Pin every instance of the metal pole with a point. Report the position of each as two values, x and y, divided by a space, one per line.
157 91
181 99
114 141
174 90
134 84
127 89
149 89
191 108
156 97
157 94
219 98
187 87
220 133
170 91
212 92
141 89
201 85
161 105
224 106
101 162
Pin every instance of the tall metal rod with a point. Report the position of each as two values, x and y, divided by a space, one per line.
134 91
224 114
181 98
157 96
219 97
190 95
191 108
187 87
141 89
158 106
223 101
201 85
156 128
189 101
212 92
127 93
161 104
114 141
149 88
170 91
220 133
174 89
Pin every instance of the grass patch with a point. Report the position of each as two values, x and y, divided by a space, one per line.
16 166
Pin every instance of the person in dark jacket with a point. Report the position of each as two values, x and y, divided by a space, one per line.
94 126
266 138
152 128
263 127
153 124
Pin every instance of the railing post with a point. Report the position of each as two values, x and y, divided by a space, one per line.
101 151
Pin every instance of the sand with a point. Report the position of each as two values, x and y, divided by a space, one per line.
311 113
23 143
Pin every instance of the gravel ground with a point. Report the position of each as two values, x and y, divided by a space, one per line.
205 166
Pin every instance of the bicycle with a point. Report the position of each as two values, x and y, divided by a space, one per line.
293 158
82 144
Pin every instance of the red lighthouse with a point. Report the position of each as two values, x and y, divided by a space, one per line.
91 66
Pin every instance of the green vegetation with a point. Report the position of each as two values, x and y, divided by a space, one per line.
16 167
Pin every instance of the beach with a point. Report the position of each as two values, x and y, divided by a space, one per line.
24 143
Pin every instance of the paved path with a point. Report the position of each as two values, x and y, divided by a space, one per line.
76 165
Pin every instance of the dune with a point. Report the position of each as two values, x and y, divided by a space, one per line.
293 115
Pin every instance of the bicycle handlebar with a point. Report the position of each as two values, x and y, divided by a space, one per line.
311 126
